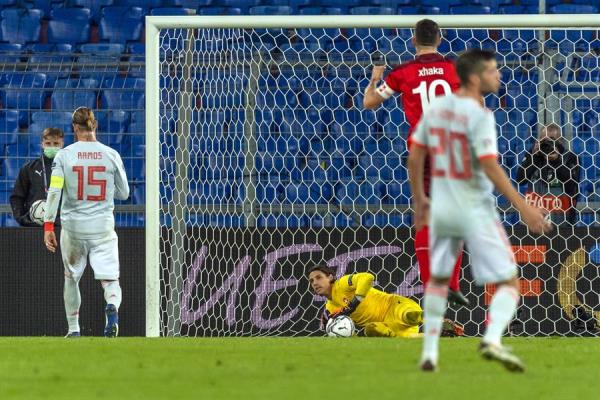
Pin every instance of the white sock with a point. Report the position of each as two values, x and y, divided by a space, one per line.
435 305
112 292
502 310
72 299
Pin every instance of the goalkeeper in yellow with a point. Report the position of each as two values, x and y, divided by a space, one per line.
379 313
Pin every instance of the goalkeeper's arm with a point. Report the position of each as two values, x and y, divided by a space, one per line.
363 282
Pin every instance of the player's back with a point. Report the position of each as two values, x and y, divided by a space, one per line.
420 81
94 175
459 132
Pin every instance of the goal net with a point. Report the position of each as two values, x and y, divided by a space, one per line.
262 163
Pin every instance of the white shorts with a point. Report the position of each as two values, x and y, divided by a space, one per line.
103 254
492 258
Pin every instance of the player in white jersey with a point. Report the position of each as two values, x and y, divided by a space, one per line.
459 134
90 175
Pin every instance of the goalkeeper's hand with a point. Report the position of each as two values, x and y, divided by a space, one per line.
350 308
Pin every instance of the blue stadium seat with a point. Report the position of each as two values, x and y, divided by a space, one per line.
172 11
121 24
10 52
21 25
443 5
372 11
99 59
69 25
52 118
45 6
68 94
138 194
111 125
311 193
56 57
140 3
412 10
316 10
469 9
9 126
219 11
573 9
125 94
269 192
193 3
24 91
348 193
270 10
95 7
512 9
135 168
11 167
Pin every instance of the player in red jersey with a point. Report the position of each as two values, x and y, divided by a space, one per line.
418 81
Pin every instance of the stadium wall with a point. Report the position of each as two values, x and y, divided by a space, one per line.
31 287
258 287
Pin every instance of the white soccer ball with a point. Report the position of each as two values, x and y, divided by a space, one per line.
37 210
340 326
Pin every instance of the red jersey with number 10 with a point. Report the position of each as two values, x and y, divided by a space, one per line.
419 81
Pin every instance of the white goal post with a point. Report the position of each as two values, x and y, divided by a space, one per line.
163 308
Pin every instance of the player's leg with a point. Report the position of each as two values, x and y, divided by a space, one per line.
104 259
454 293
74 256
422 253
405 312
378 329
493 262
443 257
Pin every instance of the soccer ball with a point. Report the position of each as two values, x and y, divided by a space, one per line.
340 326
37 210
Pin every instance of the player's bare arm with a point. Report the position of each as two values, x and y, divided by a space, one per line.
533 217
416 162
372 99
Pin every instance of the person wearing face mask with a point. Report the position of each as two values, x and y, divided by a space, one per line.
34 177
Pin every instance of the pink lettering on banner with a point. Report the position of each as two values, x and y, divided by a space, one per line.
341 262
268 285
407 287
232 283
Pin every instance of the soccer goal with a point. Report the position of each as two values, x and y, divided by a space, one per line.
262 163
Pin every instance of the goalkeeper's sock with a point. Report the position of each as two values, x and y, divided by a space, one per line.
112 293
502 309
422 253
72 298
435 304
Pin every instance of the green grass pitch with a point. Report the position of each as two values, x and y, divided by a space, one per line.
290 368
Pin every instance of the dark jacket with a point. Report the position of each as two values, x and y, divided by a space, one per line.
560 176
29 188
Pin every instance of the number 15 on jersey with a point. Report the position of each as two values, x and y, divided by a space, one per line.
83 187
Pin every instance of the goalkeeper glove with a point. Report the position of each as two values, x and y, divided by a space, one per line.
351 307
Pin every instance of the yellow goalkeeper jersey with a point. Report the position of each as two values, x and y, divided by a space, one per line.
374 306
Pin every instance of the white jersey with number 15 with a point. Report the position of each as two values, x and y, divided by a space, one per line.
94 176
458 133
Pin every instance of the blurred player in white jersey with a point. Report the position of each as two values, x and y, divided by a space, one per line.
459 134
91 175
